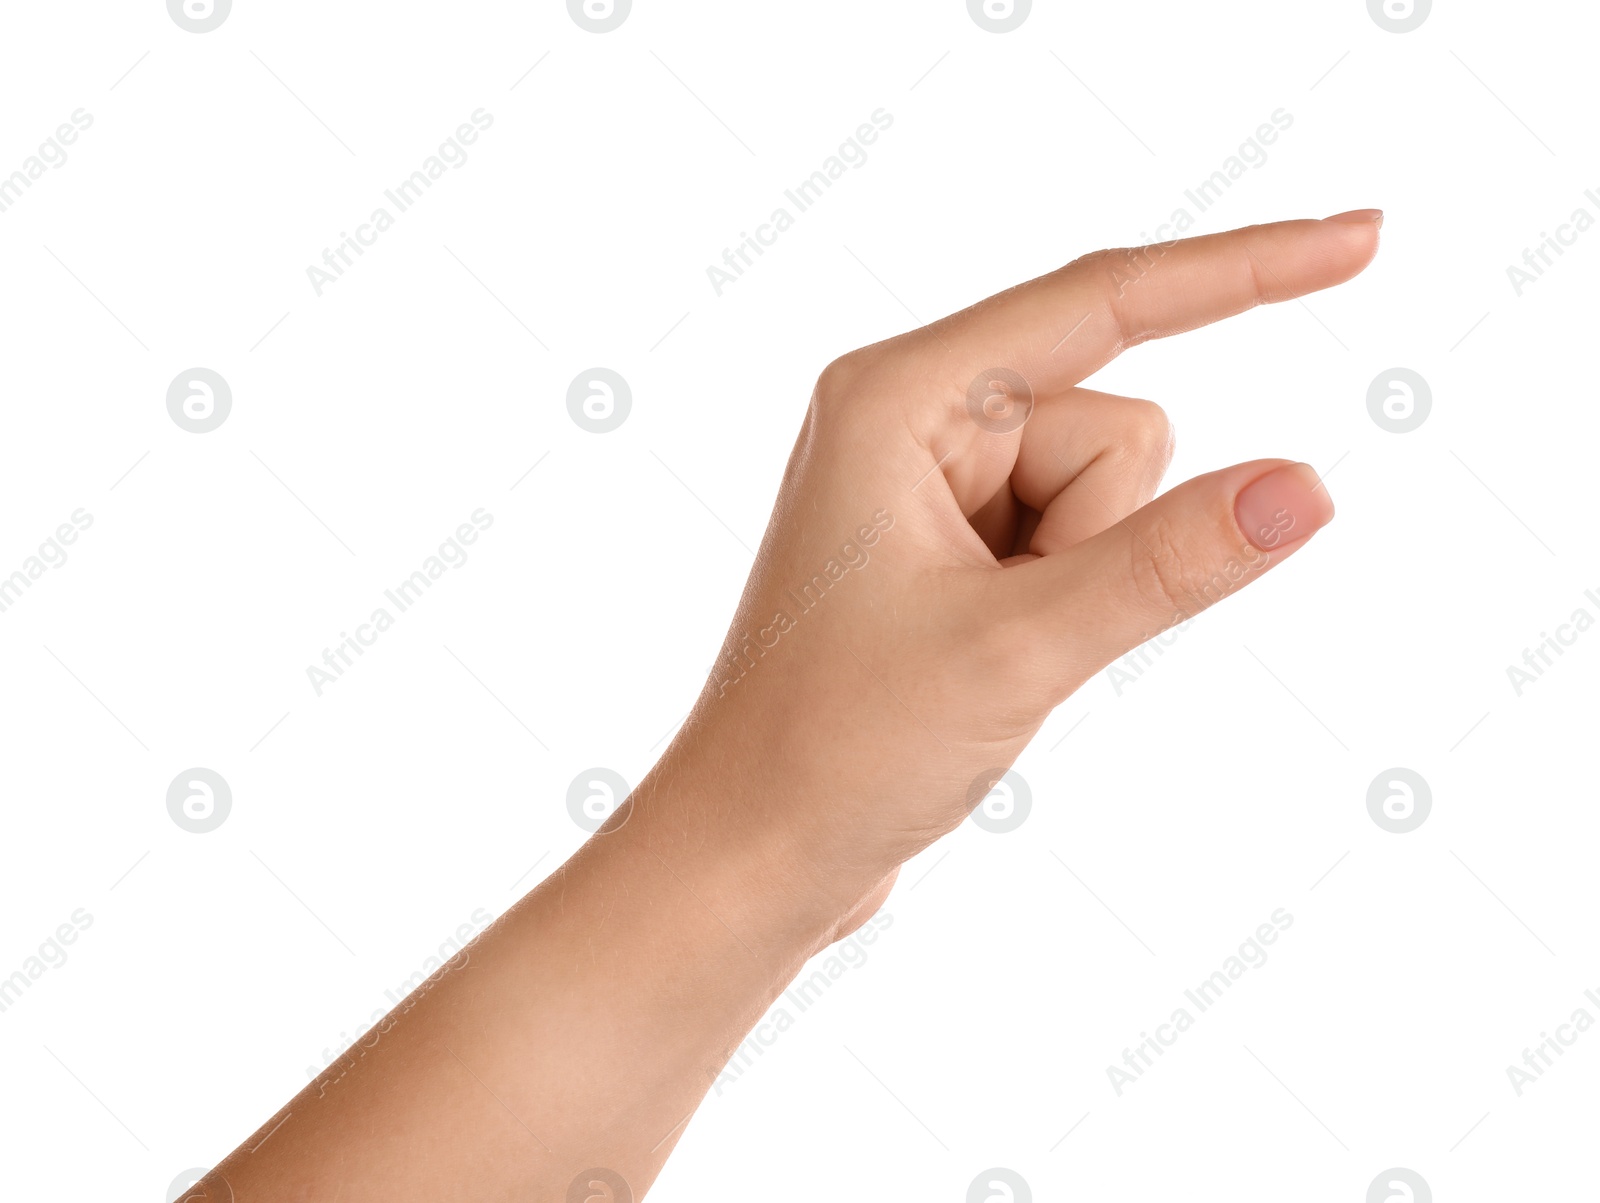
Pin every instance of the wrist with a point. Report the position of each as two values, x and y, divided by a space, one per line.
781 882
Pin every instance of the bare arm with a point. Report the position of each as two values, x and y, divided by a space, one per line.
963 537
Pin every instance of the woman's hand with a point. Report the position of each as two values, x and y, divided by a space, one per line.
965 536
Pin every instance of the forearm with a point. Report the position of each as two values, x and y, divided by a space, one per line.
581 1030
955 550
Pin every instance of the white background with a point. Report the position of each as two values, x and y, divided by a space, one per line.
367 423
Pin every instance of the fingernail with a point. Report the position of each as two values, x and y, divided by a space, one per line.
1357 216
1287 504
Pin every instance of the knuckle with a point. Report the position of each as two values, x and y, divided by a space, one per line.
837 380
1148 426
851 376
1168 576
1096 260
854 393
839 388
1111 273
830 398
1107 271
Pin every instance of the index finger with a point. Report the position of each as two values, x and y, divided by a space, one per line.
1057 329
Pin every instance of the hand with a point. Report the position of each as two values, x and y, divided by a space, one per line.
965 536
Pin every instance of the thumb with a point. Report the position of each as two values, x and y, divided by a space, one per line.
1184 552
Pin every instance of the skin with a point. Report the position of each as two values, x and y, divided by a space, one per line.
966 577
